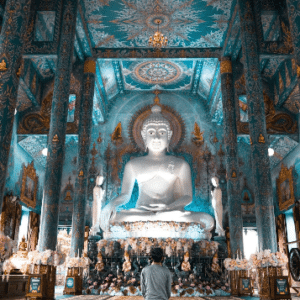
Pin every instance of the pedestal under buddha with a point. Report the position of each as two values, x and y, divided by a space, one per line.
164 181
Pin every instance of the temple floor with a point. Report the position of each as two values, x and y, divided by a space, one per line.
59 295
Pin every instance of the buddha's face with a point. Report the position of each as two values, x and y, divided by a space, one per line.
157 137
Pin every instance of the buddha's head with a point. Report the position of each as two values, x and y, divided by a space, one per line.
156 131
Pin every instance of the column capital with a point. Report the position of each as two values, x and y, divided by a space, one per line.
225 65
90 65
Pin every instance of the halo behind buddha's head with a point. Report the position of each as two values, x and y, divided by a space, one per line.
167 115
156 118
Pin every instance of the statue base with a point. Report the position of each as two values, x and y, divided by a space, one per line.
157 229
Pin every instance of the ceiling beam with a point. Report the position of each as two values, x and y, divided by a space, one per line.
216 97
118 74
157 53
284 96
229 30
85 28
197 75
216 79
28 92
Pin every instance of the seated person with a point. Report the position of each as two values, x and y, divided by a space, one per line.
165 184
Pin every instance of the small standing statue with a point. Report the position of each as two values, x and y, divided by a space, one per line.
216 194
215 267
98 194
186 266
100 265
126 268
23 252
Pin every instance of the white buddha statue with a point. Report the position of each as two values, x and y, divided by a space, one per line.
165 184
98 194
216 194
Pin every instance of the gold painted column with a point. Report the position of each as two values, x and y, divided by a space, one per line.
85 124
57 132
263 193
14 25
231 157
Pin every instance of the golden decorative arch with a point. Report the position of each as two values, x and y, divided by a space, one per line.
29 185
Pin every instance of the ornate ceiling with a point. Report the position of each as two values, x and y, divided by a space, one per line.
186 23
200 24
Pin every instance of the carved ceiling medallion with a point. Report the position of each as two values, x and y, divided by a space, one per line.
157 72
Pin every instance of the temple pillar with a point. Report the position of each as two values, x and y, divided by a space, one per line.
231 158
15 21
264 206
85 122
58 124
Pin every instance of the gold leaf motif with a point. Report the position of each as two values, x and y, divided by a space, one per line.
281 84
116 136
80 173
198 135
99 139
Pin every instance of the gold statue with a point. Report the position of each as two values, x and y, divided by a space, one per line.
23 253
68 196
186 266
3 65
126 264
261 139
100 265
215 267
23 245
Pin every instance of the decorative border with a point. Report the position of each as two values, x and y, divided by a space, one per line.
285 174
30 172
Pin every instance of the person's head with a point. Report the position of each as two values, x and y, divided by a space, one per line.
156 131
157 254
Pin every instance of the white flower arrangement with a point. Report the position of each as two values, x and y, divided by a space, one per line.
78 262
5 246
267 259
236 264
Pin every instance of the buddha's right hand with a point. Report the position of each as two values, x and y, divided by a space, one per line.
108 213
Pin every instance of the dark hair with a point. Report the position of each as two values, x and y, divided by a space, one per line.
157 254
